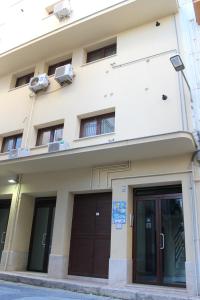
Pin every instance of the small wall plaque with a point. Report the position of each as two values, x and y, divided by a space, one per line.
119 212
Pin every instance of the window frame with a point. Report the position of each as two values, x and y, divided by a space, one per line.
27 78
52 130
98 119
103 50
14 137
58 64
50 12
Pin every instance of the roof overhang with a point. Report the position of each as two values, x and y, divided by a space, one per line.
117 18
165 145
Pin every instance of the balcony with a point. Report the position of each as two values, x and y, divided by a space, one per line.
105 23
165 145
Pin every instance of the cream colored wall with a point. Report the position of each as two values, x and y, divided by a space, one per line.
121 178
96 179
31 25
15 110
131 82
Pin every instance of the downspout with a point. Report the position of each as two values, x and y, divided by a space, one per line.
13 229
26 144
184 117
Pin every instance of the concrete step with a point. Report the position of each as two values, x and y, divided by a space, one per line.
129 292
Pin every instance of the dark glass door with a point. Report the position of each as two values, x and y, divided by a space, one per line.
41 237
146 241
4 215
159 242
173 241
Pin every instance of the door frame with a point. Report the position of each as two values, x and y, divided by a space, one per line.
5 203
159 194
42 202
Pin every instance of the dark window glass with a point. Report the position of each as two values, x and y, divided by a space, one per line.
52 68
97 125
101 53
11 142
49 135
23 79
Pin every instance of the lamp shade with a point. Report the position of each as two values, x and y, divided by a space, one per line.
177 63
13 179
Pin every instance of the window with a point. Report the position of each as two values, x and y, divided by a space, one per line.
52 68
97 125
23 79
101 53
11 142
49 9
49 135
50 12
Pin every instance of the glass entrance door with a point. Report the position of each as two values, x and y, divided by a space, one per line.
41 237
4 215
146 241
173 241
159 244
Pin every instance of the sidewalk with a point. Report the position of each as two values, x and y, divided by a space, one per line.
101 287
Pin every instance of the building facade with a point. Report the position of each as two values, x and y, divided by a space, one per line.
103 168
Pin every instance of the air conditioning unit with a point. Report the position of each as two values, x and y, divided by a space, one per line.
58 146
39 82
13 153
16 153
64 74
62 9
23 152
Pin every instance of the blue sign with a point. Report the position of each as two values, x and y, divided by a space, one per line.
119 212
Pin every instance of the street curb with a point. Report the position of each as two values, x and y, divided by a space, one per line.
118 293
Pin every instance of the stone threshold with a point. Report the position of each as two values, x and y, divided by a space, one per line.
100 288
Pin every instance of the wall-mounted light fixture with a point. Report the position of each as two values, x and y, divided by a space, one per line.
178 65
13 179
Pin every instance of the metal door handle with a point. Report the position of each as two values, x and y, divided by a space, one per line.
162 246
131 220
44 239
3 237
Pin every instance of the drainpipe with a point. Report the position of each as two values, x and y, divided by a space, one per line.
13 229
30 121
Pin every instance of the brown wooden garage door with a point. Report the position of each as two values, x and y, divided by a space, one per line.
90 239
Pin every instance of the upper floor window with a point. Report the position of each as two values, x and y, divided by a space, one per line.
52 68
98 125
49 10
11 142
101 52
23 79
50 135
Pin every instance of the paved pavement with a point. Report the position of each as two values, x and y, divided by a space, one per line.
18 291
